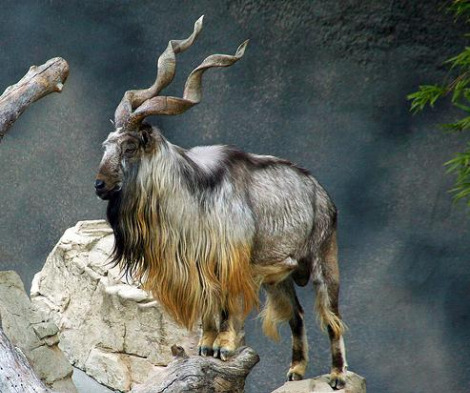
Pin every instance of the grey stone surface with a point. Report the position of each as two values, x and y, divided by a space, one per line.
322 83
112 330
21 322
86 384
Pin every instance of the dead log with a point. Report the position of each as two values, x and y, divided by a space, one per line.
38 82
16 375
200 374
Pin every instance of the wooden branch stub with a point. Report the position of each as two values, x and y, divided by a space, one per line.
200 374
38 82
16 375
178 352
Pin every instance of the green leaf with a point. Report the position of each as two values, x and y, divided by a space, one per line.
465 108
460 166
458 126
461 8
459 87
461 60
426 95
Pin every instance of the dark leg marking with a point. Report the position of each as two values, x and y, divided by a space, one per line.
299 341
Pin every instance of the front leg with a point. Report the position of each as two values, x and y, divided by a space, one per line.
231 336
208 336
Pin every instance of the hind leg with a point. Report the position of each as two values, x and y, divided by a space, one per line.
327 288
299 344
283 305
339 365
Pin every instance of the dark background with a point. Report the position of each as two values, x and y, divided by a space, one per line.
323 83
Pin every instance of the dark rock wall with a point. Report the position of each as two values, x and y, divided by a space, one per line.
323 83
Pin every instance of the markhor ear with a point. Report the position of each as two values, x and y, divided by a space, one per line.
144 137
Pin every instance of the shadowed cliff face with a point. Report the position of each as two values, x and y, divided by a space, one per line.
322 84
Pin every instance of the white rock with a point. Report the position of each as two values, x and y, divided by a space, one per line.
109 369
354 384
114 331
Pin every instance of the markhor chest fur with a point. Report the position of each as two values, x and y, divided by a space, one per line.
191 251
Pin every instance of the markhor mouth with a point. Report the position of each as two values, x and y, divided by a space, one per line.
107 194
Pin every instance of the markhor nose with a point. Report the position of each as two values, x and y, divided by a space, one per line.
99 184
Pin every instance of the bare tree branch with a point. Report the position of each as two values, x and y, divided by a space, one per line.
198 374
16 374
38 82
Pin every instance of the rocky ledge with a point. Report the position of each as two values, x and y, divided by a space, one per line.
109 328
354 384
29 330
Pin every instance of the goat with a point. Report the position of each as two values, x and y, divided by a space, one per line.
204 229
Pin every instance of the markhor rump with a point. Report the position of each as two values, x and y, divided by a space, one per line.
204 229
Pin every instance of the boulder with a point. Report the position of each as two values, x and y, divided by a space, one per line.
354 384
28 329
108 327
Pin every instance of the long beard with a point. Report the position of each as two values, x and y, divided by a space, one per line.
128 251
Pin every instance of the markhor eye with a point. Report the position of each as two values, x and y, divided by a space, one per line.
131 148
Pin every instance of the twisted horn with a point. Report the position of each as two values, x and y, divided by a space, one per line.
165 73
166 105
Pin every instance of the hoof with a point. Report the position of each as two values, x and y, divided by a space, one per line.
226 354
337 381
297 371
223 353
291 376
205 351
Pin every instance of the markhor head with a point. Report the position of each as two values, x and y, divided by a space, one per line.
133 139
